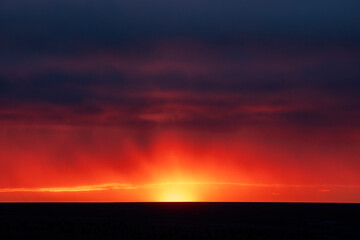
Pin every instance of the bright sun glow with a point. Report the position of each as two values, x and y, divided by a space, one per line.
176 193
176 197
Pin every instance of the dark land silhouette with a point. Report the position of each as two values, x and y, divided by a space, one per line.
179 221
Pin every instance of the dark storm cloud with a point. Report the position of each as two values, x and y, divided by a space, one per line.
194 62
4 86
57 26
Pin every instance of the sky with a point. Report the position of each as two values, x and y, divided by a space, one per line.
233 100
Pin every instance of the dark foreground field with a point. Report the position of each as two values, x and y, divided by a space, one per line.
179 221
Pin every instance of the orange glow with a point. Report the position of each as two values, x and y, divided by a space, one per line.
184 192
119 165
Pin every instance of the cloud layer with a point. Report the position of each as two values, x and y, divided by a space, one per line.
121 62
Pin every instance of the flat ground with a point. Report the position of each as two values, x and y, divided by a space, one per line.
180 221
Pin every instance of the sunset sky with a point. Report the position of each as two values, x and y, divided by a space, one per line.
179 100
